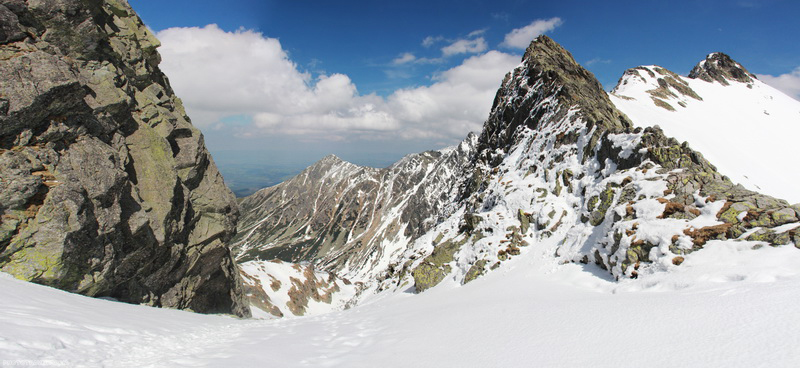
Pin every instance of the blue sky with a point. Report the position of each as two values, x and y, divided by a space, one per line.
374 80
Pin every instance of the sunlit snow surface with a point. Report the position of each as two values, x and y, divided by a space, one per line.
749 133
726 306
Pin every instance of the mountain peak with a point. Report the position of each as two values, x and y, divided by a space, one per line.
326 163
721 68
579 87
548 74
331 158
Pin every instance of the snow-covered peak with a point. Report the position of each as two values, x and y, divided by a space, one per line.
659 83
744 127
330 159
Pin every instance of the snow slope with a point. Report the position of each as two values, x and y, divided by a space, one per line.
728 306
749 131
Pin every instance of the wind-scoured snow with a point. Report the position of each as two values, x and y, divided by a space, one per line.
749 131
728 305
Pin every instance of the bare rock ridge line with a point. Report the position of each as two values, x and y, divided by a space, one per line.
107 189
719 67
556 163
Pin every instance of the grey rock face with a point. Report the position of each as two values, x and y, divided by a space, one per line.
107 189
552 72
719 67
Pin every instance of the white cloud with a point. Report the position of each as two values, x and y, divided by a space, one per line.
465 46
222 74
503 16
409 58
404 58
430 40
598 60
788 83
457 103
476 33
520 38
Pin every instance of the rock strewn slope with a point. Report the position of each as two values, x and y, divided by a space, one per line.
107 189
283 289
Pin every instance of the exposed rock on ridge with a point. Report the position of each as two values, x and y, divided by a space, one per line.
107 189
588 178
719 67
558 81
559 168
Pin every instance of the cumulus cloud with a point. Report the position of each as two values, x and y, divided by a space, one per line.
520 38
458 102
788 83
404 58
465 46
430 40
472 44
477 32
220 74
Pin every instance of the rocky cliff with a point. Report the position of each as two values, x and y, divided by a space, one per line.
557 167
107 189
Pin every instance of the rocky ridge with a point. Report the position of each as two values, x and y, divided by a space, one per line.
557 165
107 189
719 67
629 199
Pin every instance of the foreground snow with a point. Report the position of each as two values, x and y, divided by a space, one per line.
727 305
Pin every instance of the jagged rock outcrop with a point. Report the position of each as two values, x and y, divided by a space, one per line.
558 168
107 189
719 67
553 74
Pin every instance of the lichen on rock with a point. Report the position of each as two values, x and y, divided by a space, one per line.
107 189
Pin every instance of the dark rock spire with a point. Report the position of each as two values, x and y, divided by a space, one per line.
719 67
